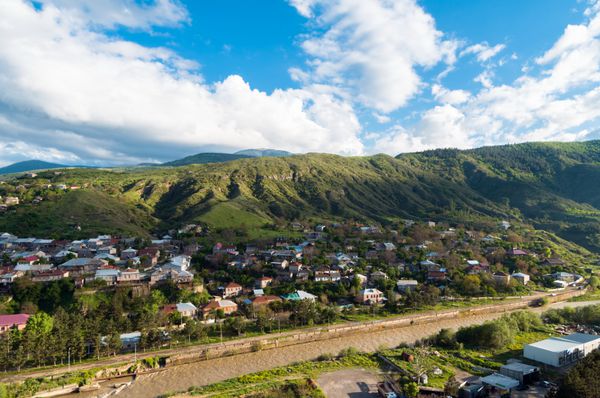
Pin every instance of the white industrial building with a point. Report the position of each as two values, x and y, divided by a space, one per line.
560 351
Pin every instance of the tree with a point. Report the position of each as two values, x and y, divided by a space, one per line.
582 381
37 331
411 389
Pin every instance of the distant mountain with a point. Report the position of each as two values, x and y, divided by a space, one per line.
29 165
259 153
208 157
216 157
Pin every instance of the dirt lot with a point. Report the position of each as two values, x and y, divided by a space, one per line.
349 383
532 392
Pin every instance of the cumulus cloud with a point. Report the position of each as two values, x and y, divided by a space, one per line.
372 48
560 103
483 51
129 13
439 127
452 97
60 78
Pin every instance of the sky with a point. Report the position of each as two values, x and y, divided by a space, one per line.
118 82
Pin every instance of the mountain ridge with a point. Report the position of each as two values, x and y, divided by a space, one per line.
543 184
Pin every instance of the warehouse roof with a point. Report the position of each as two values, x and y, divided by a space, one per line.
556 344
582 337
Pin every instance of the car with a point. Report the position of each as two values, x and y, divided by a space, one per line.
547 384
522 387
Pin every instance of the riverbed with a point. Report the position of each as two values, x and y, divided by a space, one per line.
182 377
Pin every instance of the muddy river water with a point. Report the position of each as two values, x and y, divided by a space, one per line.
180 378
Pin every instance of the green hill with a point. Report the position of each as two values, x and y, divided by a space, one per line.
550 185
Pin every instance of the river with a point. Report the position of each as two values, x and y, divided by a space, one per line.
180 378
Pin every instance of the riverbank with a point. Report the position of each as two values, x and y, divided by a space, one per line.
182 377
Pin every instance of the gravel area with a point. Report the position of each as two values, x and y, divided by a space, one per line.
349 383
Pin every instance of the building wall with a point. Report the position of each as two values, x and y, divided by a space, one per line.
541 355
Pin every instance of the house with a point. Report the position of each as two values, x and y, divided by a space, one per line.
521 277
501 278
149 256
405 285
227 306
378 276
80 266
14 321
9 277
436 275
566 277
49 276
188 309
280 265
299 295
109 275
262 301
370 296
553 262
514 252
128 253
325 274
264 282
232 290
129 275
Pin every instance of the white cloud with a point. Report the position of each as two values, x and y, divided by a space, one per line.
372 48
439 127
483 51
452 97
129 13
485 78
381 118
126 100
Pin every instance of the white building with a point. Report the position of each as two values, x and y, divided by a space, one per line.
560 351
521 277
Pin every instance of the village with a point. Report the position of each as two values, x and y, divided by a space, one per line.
325 273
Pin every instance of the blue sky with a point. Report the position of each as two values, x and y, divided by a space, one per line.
127 81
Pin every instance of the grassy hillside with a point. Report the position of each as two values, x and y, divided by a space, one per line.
549 185
95 212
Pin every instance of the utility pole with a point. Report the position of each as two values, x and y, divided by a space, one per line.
134 352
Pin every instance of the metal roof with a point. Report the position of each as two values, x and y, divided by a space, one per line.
500 381
520 367
582 337
556 344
